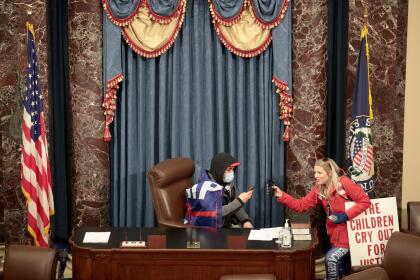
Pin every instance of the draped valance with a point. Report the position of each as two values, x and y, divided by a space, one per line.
150 27
244 26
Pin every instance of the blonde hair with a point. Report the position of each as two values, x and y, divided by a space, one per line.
331 167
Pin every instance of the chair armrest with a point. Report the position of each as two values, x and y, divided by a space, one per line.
359 268
376 273
173 224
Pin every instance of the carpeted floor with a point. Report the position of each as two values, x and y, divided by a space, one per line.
67 274
2 246
320 268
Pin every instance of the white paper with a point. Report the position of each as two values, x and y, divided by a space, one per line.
264 234
301 231
96 237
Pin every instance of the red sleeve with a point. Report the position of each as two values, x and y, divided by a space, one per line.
358 195
299 205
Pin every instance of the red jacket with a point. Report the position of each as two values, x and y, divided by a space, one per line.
351 192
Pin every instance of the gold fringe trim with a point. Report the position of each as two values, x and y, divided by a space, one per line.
226 22
246 54
109 103
165 19
217 19
121 22
273 23
46 229
285 106
165 47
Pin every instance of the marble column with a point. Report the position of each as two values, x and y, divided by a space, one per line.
310 26
90 157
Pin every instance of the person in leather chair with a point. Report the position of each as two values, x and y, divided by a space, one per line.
212 201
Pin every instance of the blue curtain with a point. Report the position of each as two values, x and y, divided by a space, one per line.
195 100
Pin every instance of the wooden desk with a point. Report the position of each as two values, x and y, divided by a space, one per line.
212 260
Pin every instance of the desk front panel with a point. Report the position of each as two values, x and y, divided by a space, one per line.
108 261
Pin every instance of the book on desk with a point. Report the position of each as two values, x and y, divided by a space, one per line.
301 227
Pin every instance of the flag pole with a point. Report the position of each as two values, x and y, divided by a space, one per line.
364 34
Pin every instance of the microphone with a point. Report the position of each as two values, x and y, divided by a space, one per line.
193 243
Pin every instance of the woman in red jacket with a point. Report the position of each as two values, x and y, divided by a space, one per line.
332 191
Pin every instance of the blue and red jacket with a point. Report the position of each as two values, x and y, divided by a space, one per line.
204 203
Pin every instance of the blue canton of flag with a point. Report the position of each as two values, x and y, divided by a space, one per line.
35 173
361 155
33 98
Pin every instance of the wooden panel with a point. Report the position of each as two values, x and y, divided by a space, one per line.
190 264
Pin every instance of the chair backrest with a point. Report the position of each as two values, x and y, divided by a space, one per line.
402 257
29 262
413 215
168 181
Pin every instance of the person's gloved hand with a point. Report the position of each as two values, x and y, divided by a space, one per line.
338 218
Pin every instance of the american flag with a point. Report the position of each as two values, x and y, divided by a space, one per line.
36 175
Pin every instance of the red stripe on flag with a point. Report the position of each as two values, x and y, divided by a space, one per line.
32 224
30 162
33 195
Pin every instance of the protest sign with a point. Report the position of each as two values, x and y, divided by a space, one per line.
369 232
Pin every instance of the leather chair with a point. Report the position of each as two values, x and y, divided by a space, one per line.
413 216
401 260
23 262
168 181
248 277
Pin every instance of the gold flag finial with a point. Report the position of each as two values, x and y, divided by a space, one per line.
31 29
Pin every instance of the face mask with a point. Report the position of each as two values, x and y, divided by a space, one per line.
228 177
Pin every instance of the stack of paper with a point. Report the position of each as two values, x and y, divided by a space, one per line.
301 232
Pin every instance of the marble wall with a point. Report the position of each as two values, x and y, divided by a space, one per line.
90 164
387 23
310 25
13 61
387 40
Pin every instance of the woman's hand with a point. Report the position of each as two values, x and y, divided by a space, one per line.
245 196
277 192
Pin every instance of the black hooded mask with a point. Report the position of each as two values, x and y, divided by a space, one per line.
219 164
